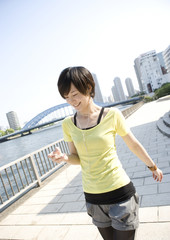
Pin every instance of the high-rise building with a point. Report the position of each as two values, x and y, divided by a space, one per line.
115 94
119 89
98 95
166 56
130 87
13 120
150 71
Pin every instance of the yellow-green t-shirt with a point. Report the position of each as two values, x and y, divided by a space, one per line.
101 169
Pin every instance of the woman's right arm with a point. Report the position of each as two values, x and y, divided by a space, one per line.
72 158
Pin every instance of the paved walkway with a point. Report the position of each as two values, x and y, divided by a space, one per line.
57 209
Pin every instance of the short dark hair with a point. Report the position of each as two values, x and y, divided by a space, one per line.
81 78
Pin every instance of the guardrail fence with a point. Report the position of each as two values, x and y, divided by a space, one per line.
18 177
129 111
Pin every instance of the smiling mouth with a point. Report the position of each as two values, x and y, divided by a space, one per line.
76 105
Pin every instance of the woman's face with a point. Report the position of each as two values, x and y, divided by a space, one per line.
77 99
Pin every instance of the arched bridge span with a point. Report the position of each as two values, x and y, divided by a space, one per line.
36 120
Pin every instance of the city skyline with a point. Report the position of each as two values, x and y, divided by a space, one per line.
39 39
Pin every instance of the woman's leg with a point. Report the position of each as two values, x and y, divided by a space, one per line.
124 235
110 233
106 233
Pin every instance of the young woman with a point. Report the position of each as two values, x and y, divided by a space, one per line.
111 198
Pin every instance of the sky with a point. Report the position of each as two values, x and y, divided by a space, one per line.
39 38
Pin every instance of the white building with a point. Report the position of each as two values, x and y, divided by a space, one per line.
130 87
98 95
150 71
118 90
13 120
166 56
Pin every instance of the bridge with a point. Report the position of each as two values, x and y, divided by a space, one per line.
56 114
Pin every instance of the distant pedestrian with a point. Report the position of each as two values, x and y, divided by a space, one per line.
111 198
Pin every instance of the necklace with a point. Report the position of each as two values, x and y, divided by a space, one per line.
83 132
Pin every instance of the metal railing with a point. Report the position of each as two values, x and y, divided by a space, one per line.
18 177
129 111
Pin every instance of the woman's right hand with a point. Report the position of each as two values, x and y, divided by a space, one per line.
57 156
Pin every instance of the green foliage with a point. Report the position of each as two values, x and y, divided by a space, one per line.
138 94
2 133
9 130
6 132
148 99
163 91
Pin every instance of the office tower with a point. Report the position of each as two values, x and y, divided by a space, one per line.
129 86
150 71
98 95
13 120
166 56
119 89
115 94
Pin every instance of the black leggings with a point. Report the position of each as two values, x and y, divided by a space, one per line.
110 233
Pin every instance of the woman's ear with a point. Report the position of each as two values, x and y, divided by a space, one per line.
90 91
89 88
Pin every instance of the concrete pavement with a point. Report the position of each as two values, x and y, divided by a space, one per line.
57 210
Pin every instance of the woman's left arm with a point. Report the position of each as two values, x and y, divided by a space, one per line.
135 146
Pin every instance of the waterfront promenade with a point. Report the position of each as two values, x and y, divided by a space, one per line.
56 210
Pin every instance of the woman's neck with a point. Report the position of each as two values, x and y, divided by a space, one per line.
89 110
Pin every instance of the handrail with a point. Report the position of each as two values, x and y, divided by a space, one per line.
19 176
129 111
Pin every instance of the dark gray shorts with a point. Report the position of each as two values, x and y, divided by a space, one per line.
122 216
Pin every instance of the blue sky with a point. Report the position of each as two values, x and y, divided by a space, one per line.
39 38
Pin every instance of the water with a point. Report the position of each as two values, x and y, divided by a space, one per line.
16 148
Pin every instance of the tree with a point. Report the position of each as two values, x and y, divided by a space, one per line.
9 130
2 133
163 91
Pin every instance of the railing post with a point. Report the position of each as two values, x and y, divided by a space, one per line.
35 171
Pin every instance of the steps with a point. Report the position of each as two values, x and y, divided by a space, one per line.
163 124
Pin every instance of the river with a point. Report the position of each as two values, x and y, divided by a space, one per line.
18 147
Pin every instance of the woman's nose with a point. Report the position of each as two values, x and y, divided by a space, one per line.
70 101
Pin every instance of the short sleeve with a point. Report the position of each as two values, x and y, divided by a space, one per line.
66 132
121 125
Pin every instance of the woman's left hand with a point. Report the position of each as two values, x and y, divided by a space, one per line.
157 175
